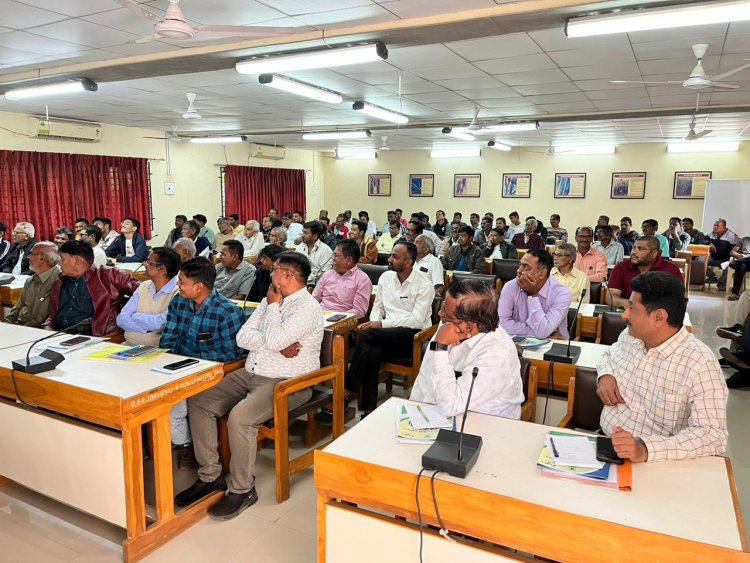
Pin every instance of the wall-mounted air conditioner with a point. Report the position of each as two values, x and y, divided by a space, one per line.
63 130
267 151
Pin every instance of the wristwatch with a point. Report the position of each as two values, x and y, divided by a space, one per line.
438 347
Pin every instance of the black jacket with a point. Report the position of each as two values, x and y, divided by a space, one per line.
12 258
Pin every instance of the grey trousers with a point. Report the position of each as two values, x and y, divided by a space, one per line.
248 398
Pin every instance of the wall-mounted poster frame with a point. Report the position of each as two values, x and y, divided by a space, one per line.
421 185
628 185
467 185
690 185
516 185
379 185
570 185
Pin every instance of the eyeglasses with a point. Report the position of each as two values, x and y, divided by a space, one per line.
151 263
445 318
561 255
276 268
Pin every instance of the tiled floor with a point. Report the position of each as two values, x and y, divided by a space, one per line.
39 530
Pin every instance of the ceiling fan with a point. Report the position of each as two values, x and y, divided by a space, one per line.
173 25
475 125
191 112
383 144
551 150
692 135
698 78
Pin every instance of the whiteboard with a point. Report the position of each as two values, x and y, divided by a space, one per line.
730 200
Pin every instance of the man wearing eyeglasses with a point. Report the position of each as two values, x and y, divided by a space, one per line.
564 272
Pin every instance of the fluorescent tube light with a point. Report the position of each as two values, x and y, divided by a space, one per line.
512 127
602 149
458 134
356 155
659 18
498 146
68 87
703 147
455 153
324 58
300 89
226 139
380 113
335 135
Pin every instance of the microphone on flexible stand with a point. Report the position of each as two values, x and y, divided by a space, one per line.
455 453
599 309
48 359
316 277
562 353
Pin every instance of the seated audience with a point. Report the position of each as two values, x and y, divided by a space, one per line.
130 246
92 235
84 291
185 247
328 237
278 236
541 230
339 228
4 244
695 235
612 250
649 228
738 358
423 220
283 337
677 239
294 230
226 232
483 234
501 224
528 239
572 278
414 228
590 261
556 232
204 230
498 248
403 307
469 337
368 250
32 308
144 315
263 264
474 222
200 323
627 236
267 226
108 235
317 252
389 237
78 227
234 220
190 231
451 239
429 264
251 239
17 260
721 242
273 215
740 259
464 256
646 257
63 235
372 226
345 288
441 227
234 276
663 391
515 227
533 304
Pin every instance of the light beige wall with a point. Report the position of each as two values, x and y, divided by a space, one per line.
346 183
194 167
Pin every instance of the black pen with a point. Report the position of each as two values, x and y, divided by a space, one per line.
554 449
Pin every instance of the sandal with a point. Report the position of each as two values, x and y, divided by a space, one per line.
733 297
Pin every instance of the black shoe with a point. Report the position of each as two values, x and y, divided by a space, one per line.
739 380
721 286
187 461
725 364
198 490
734 358
712 279
730 332
233 504
325 417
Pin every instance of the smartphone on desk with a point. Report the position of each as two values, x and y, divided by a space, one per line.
336 318
605 451
74 341
136 351
182 364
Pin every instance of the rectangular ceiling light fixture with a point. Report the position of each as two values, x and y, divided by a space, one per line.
323 58
592 149
67 87
356 155
219 139
512 127
300 88
498 146
703 147
455 153
336 135
688 15
380 113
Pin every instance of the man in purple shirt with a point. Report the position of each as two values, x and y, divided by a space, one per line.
345 288
534 304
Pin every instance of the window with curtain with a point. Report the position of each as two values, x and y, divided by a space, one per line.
250 191
51 190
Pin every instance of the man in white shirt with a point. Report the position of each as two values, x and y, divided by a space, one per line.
251 239
469 337
92 235
429 264
515 226
109 235
319 254
612 249
403 307
294 230
283 338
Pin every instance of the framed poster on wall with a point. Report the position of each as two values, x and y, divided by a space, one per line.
516 185
467 185
421 185
628 185
570 185
690 185
379 184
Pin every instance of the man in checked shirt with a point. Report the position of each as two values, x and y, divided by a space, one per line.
664 393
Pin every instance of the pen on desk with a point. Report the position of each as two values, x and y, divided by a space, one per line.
554 449
423 414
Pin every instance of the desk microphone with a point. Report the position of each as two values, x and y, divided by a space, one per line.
5 280
561 353
451 453
48 359
599 309
316 277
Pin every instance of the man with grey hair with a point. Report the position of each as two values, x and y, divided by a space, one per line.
529 238
17 261
185 247
429 264
33 306
564 272
277 236
251 239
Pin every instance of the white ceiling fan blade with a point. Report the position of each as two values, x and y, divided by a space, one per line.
702 133
243 31
138 9
644 82
723 75
147 38
723 85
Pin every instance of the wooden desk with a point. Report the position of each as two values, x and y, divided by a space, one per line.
677 511
590 355
131 267
83 445
11 293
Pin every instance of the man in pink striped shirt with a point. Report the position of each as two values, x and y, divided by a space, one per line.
345 288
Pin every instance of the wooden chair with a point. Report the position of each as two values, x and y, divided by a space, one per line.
529 381
505 270
610 326
382 259
330 373
584 405
520 252
489 279
373 271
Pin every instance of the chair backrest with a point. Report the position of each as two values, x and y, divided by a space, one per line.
612 326
525 369
505 269
382 259
595 295
326 348
571 317
489 279
436 303
373 271
587 406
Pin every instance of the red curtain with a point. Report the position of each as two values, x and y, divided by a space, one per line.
51 190
250 191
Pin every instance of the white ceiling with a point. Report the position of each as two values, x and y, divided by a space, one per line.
532 74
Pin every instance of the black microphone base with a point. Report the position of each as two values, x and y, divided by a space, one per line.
559 353
443 454
46 361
